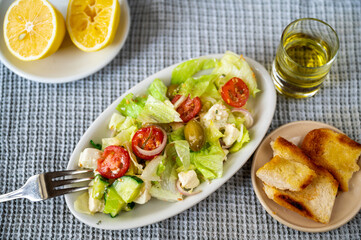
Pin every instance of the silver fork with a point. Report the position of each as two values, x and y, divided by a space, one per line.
45 185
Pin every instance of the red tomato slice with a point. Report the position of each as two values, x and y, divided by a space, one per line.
189 108
114 162
149 139
235 92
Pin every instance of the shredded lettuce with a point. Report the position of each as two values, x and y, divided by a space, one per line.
196 87
160 168
116 121
213 134
180 151
125 136
166 188
163 194
237 119
209 161
110 141
187 69
158 90
135 168
81 204
212 92
128 122
156 111
130 106
150 172
232 65
177 134
182 169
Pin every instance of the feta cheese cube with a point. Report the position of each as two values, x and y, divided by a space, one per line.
89 158
231 134
95 205
188 179
216 115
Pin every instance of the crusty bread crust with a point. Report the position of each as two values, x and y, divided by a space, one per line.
288 150
315 201
335 152
286 174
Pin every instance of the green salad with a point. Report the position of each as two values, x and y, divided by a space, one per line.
165 143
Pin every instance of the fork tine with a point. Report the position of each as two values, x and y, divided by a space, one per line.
67 173
69 181
63 191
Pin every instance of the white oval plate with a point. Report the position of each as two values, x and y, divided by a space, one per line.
69 63
263 108
347 204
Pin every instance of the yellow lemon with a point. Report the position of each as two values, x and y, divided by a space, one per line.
92 24
33 29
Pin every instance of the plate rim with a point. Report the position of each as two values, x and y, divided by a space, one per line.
79 76
271 91
257 191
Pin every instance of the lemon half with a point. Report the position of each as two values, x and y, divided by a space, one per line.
33 29
92 24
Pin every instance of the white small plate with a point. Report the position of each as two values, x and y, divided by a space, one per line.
69 63
262 107
347 204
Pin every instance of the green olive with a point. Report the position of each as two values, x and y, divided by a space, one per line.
194 134
172 91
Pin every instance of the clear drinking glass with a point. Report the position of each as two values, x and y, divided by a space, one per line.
304 57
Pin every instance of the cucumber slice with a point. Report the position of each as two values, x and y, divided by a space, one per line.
99 186
128 187
129 206
113 202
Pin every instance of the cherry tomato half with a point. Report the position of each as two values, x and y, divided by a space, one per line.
235 92
114 162
189 108
149 139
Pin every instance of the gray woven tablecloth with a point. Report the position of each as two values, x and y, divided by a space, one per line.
40 124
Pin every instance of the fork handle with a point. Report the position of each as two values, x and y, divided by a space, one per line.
12 195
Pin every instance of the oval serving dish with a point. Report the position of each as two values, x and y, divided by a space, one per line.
263 107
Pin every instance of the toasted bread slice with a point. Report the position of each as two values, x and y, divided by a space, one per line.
315 201
335 152
285 174
289 151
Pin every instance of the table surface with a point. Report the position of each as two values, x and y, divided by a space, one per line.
41 123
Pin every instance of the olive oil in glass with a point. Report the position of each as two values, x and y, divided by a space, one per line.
303 60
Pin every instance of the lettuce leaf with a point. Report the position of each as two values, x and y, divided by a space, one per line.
110 141
165 189
209 161
134 167
158 90
81 204
125 136
187 69
156 111
177 134
244 138
116 121
180 151
213 134
232 65
196 86
163 194
130 106
150 172
212 92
